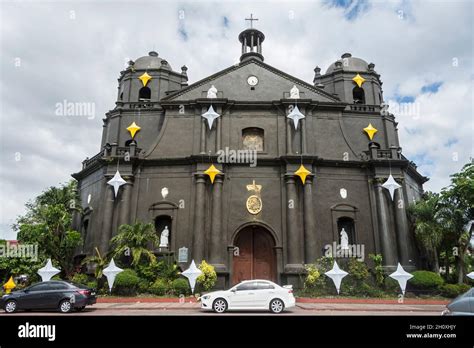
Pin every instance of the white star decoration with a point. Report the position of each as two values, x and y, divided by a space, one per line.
295 115
192 273
336 274
391 185
48 271
116 182
111 272
210 116
470 275
401 276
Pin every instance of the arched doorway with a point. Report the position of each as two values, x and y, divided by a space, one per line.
256 257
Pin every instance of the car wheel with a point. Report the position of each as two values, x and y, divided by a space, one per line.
219 305
10 306
65 306
277 306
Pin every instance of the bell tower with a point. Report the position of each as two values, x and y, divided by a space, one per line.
251 40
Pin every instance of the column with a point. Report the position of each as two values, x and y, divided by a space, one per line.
405 243
289 146
203 132
303 135
310 242
295 258
216 257
107 216
387 239
124 209
199 211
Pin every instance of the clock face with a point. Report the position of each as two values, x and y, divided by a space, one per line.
252 80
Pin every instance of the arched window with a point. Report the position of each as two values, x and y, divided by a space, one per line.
253 139
128 142
358 95
163 222
347 224
144 93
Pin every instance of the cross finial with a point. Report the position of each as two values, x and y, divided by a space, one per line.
251 19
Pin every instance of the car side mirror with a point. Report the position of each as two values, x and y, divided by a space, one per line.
233 290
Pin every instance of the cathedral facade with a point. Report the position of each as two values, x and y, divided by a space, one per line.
251 169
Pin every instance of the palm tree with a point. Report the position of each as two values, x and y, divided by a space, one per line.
428 226
135 238
99 261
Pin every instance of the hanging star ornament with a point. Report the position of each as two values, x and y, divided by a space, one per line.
336 274
111 272
210 115
401 276
212 171
9 286
302 172
133 129
192 273
391 185
370 130
48 271
295 115
359 80
116 182
144 78
470 275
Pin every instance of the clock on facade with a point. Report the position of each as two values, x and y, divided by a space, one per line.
252 80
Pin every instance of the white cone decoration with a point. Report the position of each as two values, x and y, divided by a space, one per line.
470 275
295 115
210 115
116 182
192 273
391 185
111 272
401 276
336 274
48 271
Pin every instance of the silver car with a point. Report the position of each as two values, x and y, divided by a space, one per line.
461 305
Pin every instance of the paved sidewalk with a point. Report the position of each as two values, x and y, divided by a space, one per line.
344 307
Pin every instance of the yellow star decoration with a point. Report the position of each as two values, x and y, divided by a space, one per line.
133 129
302 172
370 130
359 80
145 78
212 172
8 286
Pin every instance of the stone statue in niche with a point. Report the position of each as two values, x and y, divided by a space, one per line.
212 92
164 238
344 240
295 93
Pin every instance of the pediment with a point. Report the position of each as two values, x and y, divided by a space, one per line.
231 84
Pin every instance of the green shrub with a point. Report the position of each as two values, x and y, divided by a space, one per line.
208 278
180 286
92 284
454 290
126 283
425 280
143 286
391 285
378 271
160 287
80 278
357 269
312 276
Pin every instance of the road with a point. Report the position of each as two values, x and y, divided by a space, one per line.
165 309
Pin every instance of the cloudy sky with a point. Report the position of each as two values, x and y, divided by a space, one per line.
56 51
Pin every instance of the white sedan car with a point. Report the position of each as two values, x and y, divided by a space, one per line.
250 294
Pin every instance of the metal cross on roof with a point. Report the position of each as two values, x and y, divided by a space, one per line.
251 19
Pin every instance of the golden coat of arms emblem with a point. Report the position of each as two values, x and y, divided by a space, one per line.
254 202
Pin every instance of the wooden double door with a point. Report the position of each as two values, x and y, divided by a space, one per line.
256 255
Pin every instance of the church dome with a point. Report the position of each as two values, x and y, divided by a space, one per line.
349 63
152 61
